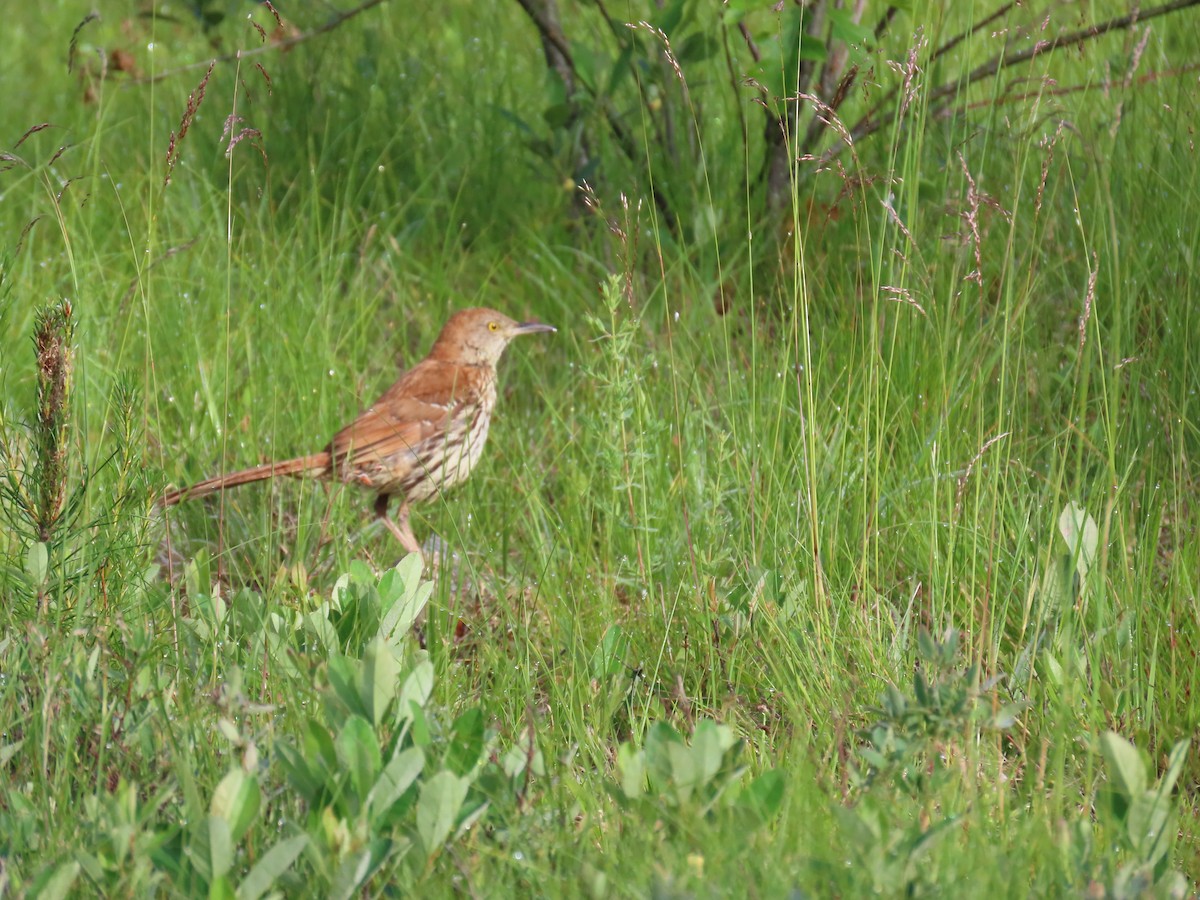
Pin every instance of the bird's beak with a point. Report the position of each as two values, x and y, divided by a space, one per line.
532 328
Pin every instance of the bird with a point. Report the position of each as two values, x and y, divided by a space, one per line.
424 435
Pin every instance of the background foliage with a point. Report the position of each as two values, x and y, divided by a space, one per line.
842 540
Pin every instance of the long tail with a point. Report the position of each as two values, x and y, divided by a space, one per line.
317 464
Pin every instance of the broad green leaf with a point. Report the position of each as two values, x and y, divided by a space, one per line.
696 48
1150 825
764 795
270 867
302 777
319 752
1126 771
221 889
685 774
345 680
58 886
409 571
631 769
663 744
350 875
669 17
442 797
466 742
8 751
37 564
220 846
318 625
358 752
359 867
1082 535
523 756
845 29
709 744
621 69
395 779
236 801
587 63
417 687
401 616
379 680
609 656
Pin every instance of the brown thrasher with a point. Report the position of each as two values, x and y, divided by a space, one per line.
426 432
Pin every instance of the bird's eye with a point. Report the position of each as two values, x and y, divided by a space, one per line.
492 326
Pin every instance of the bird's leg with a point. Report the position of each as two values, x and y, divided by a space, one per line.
401 529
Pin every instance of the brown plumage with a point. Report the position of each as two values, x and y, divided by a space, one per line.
424 435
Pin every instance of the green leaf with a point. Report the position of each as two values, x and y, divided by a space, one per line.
1082 535
8 751
345 677
764 795
442 797
37 564
358 752
1150 825
410 569
845 29
709 744
394 781
357 868
622 69
608 659
221 889
587 63
236 801
523 756
220 846
307 783
1175 761
631 770
400 616
663 745
379 679
466 743
58 885
318 625
685 773
270 867
319 753
353 871
1126 771
418 686
669 17
696 48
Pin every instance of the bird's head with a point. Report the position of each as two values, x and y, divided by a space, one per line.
478 336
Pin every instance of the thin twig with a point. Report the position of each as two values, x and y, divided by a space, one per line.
285 44
870 123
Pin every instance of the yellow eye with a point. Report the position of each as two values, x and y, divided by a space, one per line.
492 326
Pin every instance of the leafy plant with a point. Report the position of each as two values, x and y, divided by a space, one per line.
384 781
904 746
912 751
688 781
1144 818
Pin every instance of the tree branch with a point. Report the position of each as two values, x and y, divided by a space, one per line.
285 44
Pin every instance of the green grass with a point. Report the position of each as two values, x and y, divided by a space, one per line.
681 516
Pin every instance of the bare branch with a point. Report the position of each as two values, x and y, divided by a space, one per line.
285 44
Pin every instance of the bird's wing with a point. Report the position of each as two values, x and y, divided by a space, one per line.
391 431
